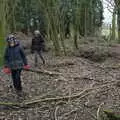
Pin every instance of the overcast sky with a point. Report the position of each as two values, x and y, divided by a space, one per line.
107 13
107 16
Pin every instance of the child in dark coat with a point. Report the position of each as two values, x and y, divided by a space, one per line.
38 46
15 61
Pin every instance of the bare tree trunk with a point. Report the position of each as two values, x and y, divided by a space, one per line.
118 23
75 40
85 22
113 36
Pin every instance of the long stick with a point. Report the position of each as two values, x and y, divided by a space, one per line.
51 73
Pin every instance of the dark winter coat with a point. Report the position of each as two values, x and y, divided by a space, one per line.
15 57
37 44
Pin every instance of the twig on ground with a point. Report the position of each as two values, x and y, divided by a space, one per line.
69 113
91 114
75 116
9 104
56 110
98 111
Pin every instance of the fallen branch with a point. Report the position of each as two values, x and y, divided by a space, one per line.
56 99
9 104
62 64
80 95
51 73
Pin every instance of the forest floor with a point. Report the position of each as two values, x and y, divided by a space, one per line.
81 91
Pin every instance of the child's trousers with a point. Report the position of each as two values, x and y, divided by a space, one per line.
16 77
40 55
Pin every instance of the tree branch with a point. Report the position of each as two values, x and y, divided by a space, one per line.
51 73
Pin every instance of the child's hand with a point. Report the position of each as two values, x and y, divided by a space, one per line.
27 67
6 70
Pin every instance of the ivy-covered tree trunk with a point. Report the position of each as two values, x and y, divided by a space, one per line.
2 42
2 29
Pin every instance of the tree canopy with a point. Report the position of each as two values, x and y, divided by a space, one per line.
56 19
